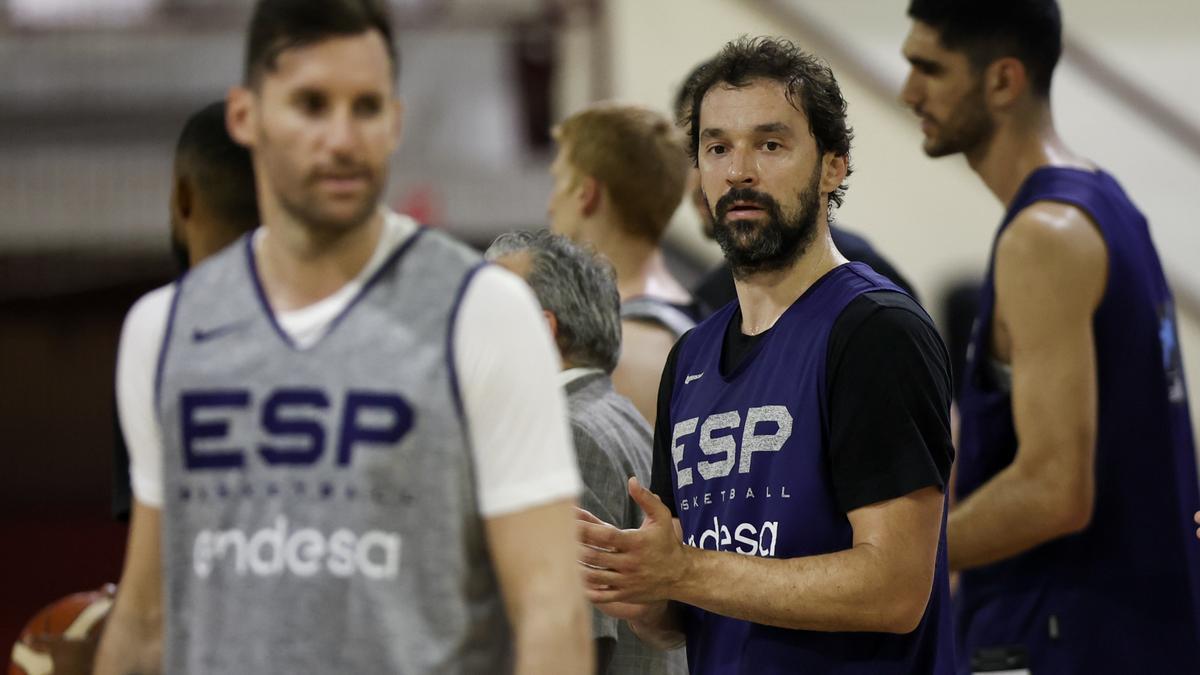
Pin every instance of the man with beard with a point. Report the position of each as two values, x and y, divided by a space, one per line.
1078 475
338 474
716 289
802 443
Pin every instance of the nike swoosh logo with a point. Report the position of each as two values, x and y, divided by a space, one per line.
690 378
202 335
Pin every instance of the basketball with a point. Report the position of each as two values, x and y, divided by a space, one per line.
64 631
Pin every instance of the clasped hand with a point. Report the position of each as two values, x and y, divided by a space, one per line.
629 574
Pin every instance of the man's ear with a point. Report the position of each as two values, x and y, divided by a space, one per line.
239 116
552 323
833 171
1004 82
591 193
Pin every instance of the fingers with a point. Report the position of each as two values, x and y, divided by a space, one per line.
598 579
602 536
587 516
600 559
649 502
602 597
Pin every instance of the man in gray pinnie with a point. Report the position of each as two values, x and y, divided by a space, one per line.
578 294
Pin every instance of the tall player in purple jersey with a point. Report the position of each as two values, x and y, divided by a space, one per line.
802 442
1077 475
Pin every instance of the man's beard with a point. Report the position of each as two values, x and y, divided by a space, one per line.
770 244
299 195
305 207
968 128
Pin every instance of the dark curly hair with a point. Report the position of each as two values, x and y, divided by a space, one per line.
811 88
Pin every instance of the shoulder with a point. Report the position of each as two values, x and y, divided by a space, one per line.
674 318
149 314
1051 249
1051 232
885 310
427 252
883 326
427 238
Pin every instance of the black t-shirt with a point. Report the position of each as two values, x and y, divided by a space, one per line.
716 289
888 391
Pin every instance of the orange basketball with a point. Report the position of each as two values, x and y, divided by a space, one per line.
61 638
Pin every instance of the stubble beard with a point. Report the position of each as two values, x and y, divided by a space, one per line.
968 128
299 197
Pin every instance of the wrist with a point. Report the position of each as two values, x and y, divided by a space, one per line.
683 572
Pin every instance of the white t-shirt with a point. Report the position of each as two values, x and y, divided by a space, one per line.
507 369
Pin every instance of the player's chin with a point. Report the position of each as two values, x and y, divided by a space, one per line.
346 213
936 147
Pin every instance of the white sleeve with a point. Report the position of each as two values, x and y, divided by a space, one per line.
137 364
517 417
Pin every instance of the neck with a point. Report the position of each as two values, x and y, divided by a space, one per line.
207 236
638 263
1019 146
300 264
765 296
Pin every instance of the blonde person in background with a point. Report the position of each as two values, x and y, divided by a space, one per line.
619 175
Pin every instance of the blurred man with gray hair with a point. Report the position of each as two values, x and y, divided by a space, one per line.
578 294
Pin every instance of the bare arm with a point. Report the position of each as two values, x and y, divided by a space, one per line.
132 640
534 554
882 583
644 349
1051 270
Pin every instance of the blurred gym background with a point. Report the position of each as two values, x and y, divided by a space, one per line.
93 93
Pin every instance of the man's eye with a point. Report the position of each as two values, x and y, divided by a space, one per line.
772 146
716 149
311 104
367 107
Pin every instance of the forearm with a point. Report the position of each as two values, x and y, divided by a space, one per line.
555 637
132 639
850 590
130 645
1008 515
661 628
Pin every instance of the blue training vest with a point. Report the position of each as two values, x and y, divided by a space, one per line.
751 475
1122 596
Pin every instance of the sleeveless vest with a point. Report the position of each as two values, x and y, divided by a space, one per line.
320 510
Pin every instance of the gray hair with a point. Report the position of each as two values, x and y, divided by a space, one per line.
576 284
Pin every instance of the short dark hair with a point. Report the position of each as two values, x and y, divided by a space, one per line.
218 168
986 30
811 89
279 25
579 286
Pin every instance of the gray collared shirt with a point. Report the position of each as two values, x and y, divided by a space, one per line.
613 442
